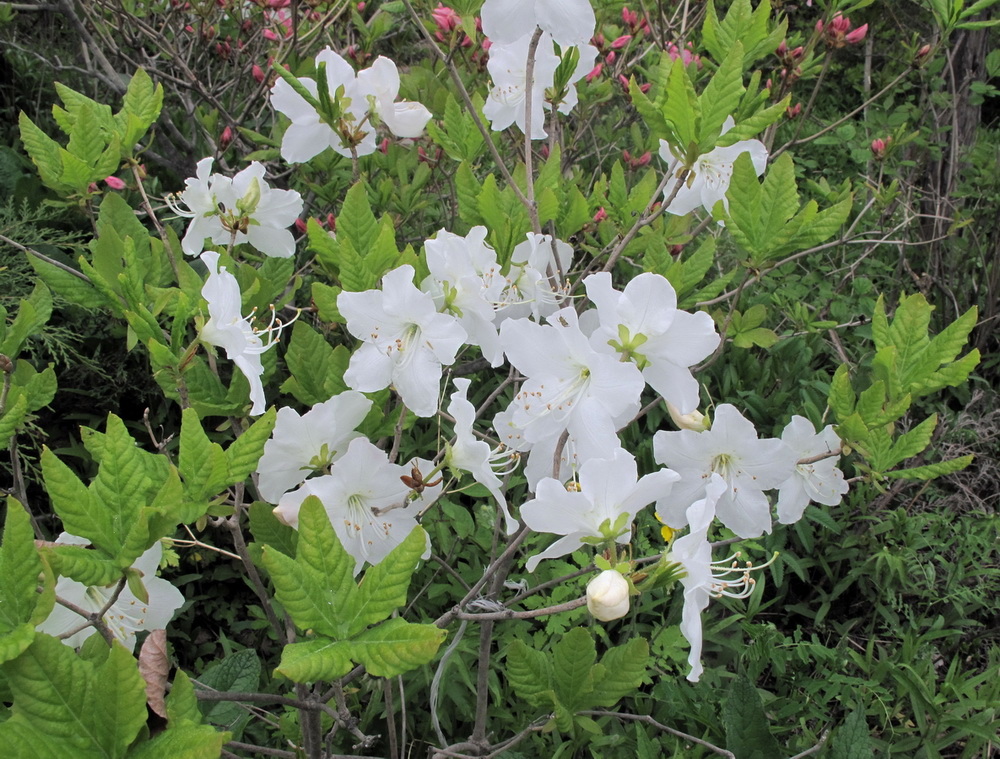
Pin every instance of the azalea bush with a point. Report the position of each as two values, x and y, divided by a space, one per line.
513 389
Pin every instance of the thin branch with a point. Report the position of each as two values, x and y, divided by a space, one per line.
46 259
646 719
493 616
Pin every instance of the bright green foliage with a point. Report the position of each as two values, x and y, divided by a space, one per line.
765 219
21 605
742 24
135 499
953 14
29 391
317 589
316 367
83 709
98 140
570 679
908 363
747 734
460 137
745 330
32 314
364 248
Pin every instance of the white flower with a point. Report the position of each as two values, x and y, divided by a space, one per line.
602 507
308 135
374 88
607 596
475 456
369 506
465 281
508 69
404 119
566 379
821 481
406 341
642 324
228 329
570 22
128 615
538 266
710 176
300 445
731 449
238 210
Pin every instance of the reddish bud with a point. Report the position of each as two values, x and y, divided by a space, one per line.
623 82
610 57
595 72
446 18
857 35
301 226
227 137
879 147
258 73
361 7
598 41
545 150
114 183
269 35
601 214
782 50
384 145
922 55
621 42
793 111
331 222
644 88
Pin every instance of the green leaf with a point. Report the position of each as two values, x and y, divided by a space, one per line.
911 443
396 646
316 367
89 707
842 397
316 587
33 313
356 224
239 673
852 740
930 471
244 453
121 487
143 101
529 673
316 660
71 500
43 151
385 585
681 109
181 701
573 660
85 140
202 463
13 417
20 568
269 530
720 98
467 190
625 669
85 566
186 742
747 733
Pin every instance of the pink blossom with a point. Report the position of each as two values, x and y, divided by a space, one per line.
446 18
114 183
621 42
595 72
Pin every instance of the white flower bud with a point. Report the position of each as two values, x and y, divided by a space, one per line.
695 421
607 596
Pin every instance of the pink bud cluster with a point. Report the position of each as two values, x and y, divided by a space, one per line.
330 222
685 53
838 32
637 24
879 147
636 162
449 24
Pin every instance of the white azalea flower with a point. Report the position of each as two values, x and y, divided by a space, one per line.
570 22
475 456
567 380
406 341
375 88
300 445
308 135
465 281
508 69
228 329
821 481
538 267
127 616
369 506
710 176
642 324
731 449
238 210
602 507
404 119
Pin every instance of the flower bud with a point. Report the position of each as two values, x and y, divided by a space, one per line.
594 72
695 421
879 147
258 73
922 55
227 138
114 183
607 596
621 42
6 365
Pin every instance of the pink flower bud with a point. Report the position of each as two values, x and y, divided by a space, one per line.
644 159
258 73
545 150
782 50
793 111
269 35
610 57
623 82
601 214
594 72
857 35
879 147
598 41
922 55
331 222
301 226
114 183
446 18
384 145
361 7
227 137
644 88
621 42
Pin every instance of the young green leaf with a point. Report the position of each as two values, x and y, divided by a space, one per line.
396 646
